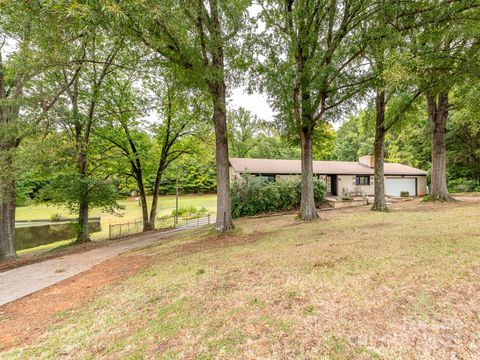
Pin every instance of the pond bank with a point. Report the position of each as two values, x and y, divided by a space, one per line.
33 234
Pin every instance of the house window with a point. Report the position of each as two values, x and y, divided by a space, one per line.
269 178
362 180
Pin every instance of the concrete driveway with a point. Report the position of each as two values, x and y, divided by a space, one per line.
22 281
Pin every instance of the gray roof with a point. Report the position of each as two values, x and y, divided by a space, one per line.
269 166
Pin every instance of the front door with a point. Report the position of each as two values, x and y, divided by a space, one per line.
332 185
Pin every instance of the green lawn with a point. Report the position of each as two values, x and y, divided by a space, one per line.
132 208
131 212
355 284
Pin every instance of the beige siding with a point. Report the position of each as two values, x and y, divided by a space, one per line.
233 174
347 183
421 185
287 177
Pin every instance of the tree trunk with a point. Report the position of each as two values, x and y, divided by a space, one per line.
83 235
224 208
437 115
7 220
143 202
156 189
379 202
308 210
8 145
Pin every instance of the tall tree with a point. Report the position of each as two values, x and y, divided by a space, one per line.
178 113
78 112
313 67
392 101
30 46
447 46
195 36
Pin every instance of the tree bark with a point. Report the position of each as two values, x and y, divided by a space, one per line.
437 115
7 220
379 202
83 235
224 208
8 145
217 89
162 164
143 201
7 189
156 189
308 210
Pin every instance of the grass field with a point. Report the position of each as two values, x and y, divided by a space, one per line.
355 284
132 211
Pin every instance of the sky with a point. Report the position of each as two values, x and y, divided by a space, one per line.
257 103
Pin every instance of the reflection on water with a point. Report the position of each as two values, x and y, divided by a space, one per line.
32 236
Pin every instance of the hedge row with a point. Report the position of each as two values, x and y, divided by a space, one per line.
463 185
256 195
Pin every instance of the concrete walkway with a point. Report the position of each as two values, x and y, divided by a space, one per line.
19 282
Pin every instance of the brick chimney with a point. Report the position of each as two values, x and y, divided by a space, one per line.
367 160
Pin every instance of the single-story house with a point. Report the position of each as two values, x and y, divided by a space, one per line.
340 176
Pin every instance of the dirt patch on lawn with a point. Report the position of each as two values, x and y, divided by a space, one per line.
212 242
24 320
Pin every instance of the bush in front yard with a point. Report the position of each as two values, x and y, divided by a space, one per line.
190 210
255 195
462 185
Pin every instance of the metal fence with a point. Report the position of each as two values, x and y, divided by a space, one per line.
117 231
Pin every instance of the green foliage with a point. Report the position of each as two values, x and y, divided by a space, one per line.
196 174
25 191
463 185
255 195
354 139
56 217
252 137
463 134
190 210
170 146
319 191
346 196
69 190
407 144
404 194
311 58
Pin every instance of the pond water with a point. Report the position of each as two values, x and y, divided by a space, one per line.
32 235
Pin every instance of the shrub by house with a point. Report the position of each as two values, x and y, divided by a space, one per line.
256 195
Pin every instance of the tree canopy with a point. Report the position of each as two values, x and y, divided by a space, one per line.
102 99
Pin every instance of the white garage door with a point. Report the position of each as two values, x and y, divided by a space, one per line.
393 187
